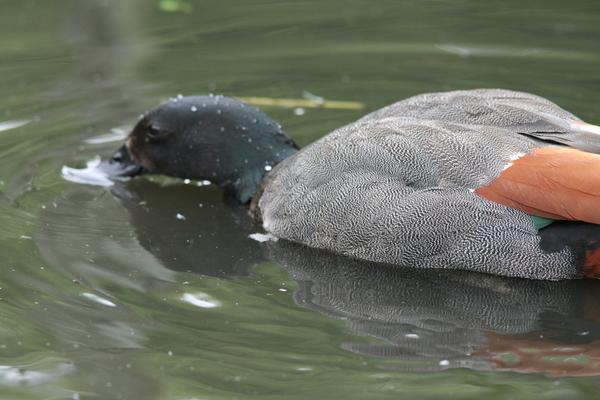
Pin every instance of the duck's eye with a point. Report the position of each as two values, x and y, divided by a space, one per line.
154 132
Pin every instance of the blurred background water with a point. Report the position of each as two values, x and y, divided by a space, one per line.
108 294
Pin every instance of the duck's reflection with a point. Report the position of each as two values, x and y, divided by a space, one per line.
190 229
435 319
449 318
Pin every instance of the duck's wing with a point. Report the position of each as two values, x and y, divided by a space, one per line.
519 112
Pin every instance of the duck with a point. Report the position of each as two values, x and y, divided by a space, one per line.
489 180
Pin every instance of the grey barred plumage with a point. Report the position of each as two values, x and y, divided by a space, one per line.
396 190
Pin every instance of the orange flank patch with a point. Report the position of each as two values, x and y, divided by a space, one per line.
552 182
591 268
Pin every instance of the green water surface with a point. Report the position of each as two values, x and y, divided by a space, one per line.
108 294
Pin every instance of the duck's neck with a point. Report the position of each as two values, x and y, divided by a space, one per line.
247 176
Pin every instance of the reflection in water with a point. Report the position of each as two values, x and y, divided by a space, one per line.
421 319
452 319
188 228
108 43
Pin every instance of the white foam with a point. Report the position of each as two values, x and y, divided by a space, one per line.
90 175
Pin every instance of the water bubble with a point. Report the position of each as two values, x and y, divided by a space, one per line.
299 111
193 108
222 129
180 96
268 168
411 336
444 363
219 111
180 217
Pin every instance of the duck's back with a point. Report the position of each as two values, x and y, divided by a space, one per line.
519 112
491 107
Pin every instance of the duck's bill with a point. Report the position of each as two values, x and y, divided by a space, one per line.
120 167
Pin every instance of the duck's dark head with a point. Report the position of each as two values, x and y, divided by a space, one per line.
208 138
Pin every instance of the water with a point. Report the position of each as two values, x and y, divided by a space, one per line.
153 290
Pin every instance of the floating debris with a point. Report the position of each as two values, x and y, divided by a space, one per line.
303 103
